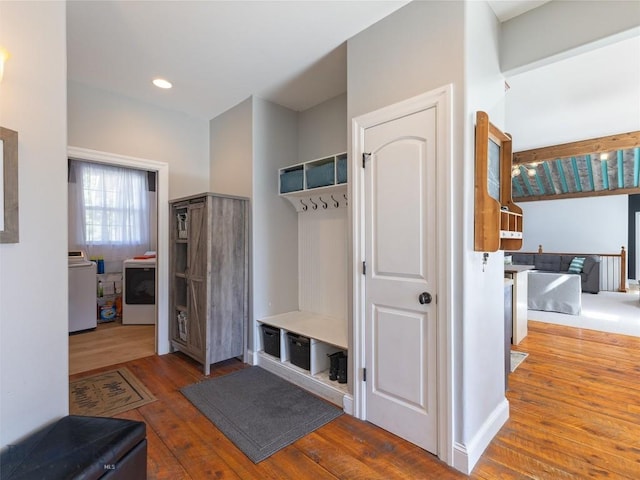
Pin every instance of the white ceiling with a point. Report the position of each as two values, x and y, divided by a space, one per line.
218 53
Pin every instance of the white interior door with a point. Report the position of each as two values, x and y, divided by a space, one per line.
400 252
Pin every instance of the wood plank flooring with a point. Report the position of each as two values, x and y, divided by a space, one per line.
575 413
108 344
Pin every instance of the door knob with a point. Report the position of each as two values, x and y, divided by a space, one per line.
425 297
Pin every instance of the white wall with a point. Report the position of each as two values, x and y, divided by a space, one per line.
483 290
590 95
107 122
33 273
576 225
563 28
231 151
322 130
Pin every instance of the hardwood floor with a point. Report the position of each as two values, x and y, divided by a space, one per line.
108 344
575 413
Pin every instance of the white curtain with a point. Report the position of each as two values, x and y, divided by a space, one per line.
108 210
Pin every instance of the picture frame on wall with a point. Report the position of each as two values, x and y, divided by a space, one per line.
8 186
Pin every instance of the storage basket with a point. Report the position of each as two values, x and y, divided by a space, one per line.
320 174
299 350
341 169
182 325
271 340
291 180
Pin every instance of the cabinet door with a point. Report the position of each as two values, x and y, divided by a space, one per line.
228 286
196 280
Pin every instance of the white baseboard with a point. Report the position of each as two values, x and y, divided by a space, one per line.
252 357
293 374
465 457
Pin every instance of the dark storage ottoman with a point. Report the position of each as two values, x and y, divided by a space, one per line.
299 350
77 447
271 340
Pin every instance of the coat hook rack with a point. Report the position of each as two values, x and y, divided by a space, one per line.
335 202
315 205
346 200
304 206
324 204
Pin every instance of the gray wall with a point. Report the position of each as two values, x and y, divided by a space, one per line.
322 130
275 221
231 151
423 46
34 338
107 122
559 29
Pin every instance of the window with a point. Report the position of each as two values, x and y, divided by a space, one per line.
111 208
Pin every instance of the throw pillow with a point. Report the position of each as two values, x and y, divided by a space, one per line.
576 265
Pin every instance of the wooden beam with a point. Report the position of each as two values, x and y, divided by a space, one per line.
619 141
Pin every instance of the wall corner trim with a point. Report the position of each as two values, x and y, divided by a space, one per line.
465 457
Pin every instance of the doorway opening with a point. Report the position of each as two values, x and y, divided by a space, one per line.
132 341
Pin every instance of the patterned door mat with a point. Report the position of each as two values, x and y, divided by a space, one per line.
108 393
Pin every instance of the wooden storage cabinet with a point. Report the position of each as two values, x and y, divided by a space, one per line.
498 221
209 277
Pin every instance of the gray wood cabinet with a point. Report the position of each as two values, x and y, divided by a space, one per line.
209 276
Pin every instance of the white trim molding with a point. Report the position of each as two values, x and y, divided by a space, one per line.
442 100
466 456
162 251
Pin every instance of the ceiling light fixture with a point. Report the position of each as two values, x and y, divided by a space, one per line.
515 172
604 156
531 172
162 83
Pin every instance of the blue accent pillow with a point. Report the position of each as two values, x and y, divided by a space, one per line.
576 265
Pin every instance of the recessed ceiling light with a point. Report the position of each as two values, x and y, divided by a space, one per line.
162 83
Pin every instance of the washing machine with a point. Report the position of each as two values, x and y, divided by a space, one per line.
139 291
82 293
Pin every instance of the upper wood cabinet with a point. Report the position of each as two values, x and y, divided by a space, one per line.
498 221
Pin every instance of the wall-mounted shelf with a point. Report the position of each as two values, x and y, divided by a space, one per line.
498 221
310 176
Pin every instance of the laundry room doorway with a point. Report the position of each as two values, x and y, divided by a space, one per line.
115 342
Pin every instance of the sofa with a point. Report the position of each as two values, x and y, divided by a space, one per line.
559 263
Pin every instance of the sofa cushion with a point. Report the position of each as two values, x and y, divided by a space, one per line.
576 265
547 262
522 258
565 261
590 262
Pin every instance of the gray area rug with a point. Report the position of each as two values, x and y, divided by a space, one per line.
259 411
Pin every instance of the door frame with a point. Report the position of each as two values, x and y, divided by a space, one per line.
162 251
441 99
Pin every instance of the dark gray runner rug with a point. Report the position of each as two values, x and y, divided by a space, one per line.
259 411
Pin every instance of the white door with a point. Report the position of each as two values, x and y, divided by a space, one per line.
400 253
